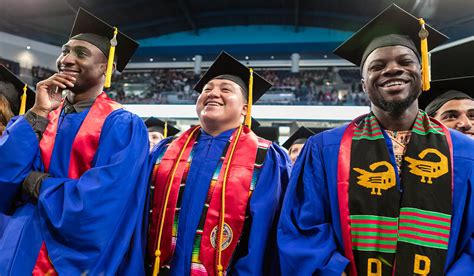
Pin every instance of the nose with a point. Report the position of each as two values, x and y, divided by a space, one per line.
392 69
67 59
213 93
464 123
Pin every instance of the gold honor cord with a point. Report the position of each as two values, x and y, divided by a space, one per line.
219 267
165 130
110 62
23 101
248 118
156 267
425 66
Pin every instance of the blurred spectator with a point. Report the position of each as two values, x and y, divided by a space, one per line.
319 86
40 73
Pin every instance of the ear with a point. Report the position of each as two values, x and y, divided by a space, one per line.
244 110
104 67
364 88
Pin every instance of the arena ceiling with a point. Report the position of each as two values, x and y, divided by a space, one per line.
49 21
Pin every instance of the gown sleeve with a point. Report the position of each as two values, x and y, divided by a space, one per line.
19 149
306 239
261 255
94 222
463 263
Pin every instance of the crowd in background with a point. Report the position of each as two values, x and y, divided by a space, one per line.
307 87
317 86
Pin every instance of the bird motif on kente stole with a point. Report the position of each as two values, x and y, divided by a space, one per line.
377 181
428 169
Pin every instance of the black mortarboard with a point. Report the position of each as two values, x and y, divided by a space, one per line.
12 88
255 123
317 130
227 67
298 137
446 90
155 124
89 28
267 132
393 26
453 60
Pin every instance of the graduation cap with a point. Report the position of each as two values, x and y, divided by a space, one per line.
269 133
453 60
392 27
255 124
452 74
228 68
18 94
443 91
298 137
108 39
155 124
317 130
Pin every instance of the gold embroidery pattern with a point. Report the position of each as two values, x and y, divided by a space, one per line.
428 169
377 180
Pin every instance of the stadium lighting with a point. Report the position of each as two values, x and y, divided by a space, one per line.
151 59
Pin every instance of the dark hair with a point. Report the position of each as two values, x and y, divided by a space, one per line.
5 113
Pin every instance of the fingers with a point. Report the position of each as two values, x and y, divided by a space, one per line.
60 80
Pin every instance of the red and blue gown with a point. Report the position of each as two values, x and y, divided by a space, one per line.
309 231
257 253
92 224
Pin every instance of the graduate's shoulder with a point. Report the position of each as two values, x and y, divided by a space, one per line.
161 147
278 151
463 145
124 116
328 138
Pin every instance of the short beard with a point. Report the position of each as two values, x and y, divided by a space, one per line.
395 108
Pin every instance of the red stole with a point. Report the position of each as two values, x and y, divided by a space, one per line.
83 150
236 196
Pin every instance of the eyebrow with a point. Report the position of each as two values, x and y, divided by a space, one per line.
451 111
401 56
222 84
75 48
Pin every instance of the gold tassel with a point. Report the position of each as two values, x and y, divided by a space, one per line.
425 66
23 101
248 118
156 267
110 62
165 130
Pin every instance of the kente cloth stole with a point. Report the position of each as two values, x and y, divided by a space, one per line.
395 224
241 174
83 151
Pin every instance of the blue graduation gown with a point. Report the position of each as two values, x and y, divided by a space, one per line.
265 204
93 224
309 231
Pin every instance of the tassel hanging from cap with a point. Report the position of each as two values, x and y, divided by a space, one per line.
110 62
248 117
425 67
23 101
165 130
